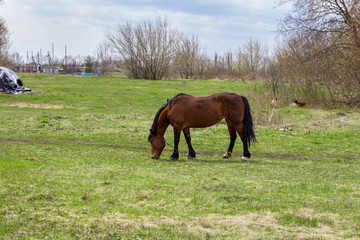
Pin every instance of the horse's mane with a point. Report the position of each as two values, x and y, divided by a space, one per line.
154 125
169 103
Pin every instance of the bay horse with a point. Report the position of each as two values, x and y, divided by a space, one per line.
185 111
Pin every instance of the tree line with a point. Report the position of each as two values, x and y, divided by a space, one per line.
154 50
321 49
317 57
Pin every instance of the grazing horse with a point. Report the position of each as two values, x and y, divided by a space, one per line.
185 111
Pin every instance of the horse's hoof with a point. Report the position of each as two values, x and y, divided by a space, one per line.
190 157
226 155
243 158
172 159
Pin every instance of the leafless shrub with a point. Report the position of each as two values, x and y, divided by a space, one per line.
4 42
103 58
250 58
147 49
187 57
321 50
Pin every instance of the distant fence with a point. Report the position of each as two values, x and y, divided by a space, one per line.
56 70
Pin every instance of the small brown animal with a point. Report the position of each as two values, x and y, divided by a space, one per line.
300 104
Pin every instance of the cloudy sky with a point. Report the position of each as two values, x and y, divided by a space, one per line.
220 25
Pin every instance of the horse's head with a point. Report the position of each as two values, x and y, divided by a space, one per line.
157 144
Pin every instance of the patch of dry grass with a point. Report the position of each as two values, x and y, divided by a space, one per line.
35 105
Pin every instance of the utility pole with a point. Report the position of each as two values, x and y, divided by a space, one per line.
65 59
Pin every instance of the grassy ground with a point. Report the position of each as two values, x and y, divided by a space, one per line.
75 163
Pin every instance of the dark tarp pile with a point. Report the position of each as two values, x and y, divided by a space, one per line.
11 83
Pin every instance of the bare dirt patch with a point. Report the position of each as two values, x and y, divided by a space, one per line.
13 140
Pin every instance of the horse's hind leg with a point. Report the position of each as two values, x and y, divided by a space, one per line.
246 150
192 153
233 136
240 131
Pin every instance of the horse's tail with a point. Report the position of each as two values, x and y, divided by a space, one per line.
248 125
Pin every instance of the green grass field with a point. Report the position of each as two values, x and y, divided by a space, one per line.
75 164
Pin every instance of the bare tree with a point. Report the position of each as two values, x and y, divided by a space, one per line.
4 41
252 55
338 19
218 66
103 57
188 57
322 46
147 49
250 58
229 62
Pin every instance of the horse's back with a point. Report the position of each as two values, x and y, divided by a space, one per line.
223 97
204 111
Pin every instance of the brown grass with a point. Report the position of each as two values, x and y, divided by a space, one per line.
247 226
38 105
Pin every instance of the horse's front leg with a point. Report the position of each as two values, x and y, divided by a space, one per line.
175 155
192 153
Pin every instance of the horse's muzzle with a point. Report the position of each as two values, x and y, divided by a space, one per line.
155 157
